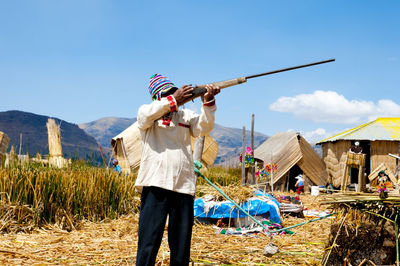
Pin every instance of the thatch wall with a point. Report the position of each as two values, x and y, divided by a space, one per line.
288 149
334 156
380 151
285 151
312 164
127 148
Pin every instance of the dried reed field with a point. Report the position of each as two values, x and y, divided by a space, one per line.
35 195
114 243
103 228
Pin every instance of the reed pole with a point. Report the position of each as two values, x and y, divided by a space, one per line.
243 157
253 167
272 177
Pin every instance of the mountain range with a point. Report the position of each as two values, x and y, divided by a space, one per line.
82 140
31 128
229 139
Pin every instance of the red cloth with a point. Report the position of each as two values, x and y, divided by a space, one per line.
300 189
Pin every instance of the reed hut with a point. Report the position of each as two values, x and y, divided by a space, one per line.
127 149
293 155
377 138
4 141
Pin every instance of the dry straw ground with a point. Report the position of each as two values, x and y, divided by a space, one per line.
114 242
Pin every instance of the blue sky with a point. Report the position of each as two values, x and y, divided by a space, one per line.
83 60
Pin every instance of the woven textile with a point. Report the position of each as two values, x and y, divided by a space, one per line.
158 85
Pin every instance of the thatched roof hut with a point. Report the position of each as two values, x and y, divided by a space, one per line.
377 138
127 148
293 155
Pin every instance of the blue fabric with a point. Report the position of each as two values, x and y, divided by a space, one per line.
226 209
301 183
117 168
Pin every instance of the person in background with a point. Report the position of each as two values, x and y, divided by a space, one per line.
383 184
166 178
116 166
299 184
356 148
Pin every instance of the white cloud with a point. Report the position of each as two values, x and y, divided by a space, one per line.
316 135
331 107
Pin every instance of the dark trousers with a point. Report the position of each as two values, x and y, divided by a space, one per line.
156 205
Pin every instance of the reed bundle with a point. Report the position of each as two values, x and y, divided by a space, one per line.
358 197
365 227
237 193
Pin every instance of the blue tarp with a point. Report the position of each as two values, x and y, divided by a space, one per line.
253 206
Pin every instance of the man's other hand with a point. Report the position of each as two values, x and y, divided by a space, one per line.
212 90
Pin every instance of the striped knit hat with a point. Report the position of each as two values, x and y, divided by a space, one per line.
158 85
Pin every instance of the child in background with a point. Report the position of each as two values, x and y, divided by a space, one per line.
116 166
383 184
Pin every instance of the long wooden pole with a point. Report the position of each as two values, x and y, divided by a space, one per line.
201 90
253 167
244 157
102 155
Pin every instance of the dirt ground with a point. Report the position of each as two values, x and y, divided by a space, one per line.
115 243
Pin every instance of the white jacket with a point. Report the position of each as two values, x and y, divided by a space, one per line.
167 160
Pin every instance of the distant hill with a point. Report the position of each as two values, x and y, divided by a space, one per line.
229 139
104 129
75 141
230 143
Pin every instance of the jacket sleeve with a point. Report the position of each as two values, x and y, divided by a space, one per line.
203 124
148 113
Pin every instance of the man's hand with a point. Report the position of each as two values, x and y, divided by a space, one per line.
212 90
183 93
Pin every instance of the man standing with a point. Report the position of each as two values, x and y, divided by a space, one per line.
166 176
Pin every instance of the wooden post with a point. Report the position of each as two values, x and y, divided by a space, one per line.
283 184
396 174
361 179
253 167
288 180
272 177
198 148
243 157
20 143
344 179
102 155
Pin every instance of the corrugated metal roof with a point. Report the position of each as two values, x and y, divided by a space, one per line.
387 128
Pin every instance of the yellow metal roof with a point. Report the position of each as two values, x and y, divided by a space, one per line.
386 128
